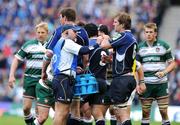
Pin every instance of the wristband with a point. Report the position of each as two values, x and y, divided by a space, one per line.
141 81
165 73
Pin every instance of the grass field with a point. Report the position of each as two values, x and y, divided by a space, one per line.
12 120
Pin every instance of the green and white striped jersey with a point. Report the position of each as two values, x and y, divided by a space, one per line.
154 58
32 51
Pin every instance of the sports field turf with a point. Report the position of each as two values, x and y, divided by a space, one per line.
13 120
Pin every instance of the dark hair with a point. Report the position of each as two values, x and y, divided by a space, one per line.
124 19
103 28
69 13
92 29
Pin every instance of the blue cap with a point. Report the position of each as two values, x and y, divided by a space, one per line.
66 27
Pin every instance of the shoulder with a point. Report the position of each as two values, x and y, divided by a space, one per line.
163 43
117 35
82 37
142 44
69 43
59 29
29 43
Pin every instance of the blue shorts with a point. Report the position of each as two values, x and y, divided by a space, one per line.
63 88
100 98
121 89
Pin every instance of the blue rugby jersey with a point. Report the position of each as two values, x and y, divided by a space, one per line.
96 66
125 48
82 37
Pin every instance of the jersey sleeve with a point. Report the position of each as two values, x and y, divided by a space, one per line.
118 40
82 37
54 39
22 53
168 56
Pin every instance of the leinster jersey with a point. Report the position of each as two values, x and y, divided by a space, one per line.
33 51
96 66
153 59
125 47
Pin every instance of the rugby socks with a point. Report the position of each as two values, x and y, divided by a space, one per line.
74 121
166 122
36 122
87 121
100 122
145 122
29 119
127 122
113 120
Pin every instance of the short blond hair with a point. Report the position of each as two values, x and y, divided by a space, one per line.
43 25
151 26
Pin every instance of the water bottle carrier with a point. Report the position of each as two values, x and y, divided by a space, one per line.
85 84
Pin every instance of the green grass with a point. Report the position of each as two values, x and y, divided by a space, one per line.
13 120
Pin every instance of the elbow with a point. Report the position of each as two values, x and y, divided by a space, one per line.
49 54
175 65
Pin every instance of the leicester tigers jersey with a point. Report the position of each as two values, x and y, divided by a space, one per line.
153 59
32 51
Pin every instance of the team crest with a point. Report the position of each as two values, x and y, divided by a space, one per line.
157 49
46 101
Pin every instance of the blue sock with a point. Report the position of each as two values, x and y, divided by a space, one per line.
127 122
100 122
74 121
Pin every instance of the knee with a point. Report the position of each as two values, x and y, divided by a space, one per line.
164 114
96 114
111 111
146 113
26 110
62 115
87 114
42 118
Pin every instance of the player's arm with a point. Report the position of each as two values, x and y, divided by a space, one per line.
85 59
107 58
104 42
169 68
171 63
46 61
13 68
20 56
141 87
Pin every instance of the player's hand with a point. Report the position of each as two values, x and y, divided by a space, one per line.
106 37
99 40
44 76
160 74
79 70
11 82
141 88
106 58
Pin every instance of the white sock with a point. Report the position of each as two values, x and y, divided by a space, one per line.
36 122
